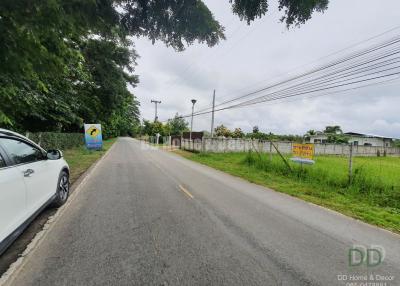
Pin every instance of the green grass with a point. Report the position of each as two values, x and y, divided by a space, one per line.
373 196
80 159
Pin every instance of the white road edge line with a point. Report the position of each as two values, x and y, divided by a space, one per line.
9 276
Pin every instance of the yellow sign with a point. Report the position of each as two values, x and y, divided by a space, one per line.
305 151
93 131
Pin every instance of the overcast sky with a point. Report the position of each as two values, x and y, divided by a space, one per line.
264 52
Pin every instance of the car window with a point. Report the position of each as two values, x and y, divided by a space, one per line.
2 162
21 152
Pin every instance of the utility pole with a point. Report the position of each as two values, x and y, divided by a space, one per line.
191 123
155 102
351 163
212 117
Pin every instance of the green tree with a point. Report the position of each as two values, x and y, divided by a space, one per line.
311 132
296 12
147 128
222 131
335 135
255 129
333 130
178 125
152 128
337 139
237 133
158 127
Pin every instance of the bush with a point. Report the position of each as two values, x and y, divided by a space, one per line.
53 140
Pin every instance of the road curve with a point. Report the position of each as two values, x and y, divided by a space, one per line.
149 217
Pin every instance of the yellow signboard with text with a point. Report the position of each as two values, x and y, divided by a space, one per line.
305 151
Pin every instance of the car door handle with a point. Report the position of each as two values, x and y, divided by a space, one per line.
28 172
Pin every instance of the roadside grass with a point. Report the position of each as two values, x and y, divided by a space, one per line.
373 196
80 159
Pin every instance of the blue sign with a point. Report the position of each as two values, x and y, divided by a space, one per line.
93 136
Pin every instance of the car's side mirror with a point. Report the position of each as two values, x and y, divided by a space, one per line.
54 154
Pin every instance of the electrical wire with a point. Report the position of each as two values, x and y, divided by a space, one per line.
315 70
370 64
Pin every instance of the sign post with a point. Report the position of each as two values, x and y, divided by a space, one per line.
93 136
303 153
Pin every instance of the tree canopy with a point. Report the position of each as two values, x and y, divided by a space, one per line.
223 131
63 62
333 133
333 130
174 126
177 125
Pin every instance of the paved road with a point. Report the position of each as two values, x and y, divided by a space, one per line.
149 217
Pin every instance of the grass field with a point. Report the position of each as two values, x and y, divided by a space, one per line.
80 159
373 196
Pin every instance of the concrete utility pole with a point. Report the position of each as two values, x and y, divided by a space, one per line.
191 123
212 116
155 102
351 163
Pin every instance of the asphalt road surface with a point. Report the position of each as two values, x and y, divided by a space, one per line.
150 217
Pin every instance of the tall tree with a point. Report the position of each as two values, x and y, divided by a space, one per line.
237 133
255 129
178 125
222 131
311 132
333 129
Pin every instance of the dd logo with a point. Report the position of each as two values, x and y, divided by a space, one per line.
370 256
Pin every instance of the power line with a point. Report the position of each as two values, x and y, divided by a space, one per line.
319 59
373 63
320 89
293 95
329 65
280 94
302 86
381 83
332 77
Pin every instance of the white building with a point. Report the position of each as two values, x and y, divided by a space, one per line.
357 139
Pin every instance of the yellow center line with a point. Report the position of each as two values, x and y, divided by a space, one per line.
186 192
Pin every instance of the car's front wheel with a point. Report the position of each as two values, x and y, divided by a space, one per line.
62 189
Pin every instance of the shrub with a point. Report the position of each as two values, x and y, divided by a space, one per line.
53 140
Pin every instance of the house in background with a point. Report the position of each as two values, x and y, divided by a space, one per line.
356 139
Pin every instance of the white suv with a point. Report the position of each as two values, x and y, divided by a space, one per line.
30 179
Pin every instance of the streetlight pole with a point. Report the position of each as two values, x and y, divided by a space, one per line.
191 123
155 102
212 117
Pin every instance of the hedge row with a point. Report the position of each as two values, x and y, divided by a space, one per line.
52 140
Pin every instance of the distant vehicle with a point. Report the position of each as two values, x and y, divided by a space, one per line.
30 179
